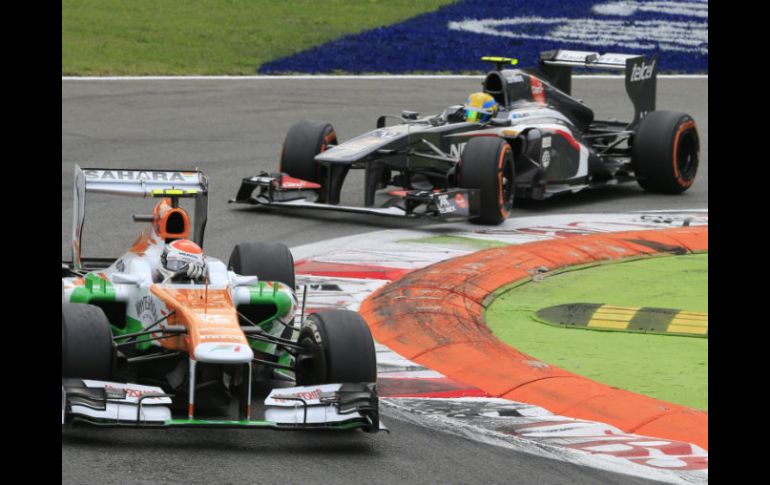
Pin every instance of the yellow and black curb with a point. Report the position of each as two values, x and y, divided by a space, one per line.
596 316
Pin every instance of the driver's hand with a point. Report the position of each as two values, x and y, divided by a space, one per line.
457 115
195 271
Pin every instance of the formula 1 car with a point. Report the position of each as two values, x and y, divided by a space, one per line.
146 348
541 142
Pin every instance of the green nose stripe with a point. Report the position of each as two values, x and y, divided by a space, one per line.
595 316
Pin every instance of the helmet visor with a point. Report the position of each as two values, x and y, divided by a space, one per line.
472 115
175 264
475 115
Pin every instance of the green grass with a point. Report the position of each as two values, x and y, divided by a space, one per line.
671 368
208 37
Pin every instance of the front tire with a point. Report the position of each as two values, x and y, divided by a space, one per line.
267 261
339 349
303 142
487 164
87 348
665 153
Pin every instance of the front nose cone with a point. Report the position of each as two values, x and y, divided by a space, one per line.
224 353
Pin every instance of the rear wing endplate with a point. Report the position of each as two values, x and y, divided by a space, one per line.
640 73
138 183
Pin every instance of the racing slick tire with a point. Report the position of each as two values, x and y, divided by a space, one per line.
267 261
665 152
87 348
487 164
339 349
303 142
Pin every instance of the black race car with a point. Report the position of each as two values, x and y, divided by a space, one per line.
540 142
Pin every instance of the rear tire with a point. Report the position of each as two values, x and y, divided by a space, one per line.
87 348
340 349
303 142
267 261
487 164
665 152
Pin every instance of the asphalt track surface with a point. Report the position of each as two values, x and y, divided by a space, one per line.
233 129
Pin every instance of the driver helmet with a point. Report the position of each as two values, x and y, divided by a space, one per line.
480 107
182 255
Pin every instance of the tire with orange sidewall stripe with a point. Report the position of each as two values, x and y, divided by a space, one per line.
487 164
303 142
666 152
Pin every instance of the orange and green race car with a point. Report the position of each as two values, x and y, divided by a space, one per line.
167 336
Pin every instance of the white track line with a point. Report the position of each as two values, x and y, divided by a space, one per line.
324 77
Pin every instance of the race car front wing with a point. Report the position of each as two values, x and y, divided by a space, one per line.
280 190
328 406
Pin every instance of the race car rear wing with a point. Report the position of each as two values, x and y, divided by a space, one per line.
640 72
138 183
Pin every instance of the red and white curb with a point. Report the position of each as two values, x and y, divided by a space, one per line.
343 272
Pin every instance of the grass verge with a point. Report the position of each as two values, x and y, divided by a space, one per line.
670 368
210 37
